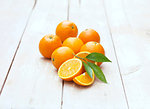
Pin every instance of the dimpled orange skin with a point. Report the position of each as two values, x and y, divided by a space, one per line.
66 29
74 43
93 47
60 55
48 44
89 35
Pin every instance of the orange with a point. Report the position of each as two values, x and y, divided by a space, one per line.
48 44
70 69
60 55
89 35
93 47
84 79
74 43
83 54
66 29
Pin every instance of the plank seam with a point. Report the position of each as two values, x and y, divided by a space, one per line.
62 93
115 54
35 2
79 3
68 8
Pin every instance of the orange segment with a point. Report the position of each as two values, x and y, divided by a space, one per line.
70 69
84 79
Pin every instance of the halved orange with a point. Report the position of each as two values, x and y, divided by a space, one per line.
83 54
84 79
70 69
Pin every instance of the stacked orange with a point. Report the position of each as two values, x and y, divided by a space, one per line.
62 47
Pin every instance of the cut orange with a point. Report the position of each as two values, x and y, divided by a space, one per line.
70 69
84 79
83 54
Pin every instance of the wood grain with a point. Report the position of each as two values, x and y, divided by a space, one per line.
130 27
14 15
91 14
33 81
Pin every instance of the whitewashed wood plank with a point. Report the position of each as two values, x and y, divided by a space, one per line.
14 15
90 14
130 28
33 81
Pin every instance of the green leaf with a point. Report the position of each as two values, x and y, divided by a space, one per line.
88 69
98 72
97 57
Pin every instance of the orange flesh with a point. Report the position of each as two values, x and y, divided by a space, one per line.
70 69
84 79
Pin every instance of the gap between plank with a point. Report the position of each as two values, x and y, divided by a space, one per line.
62 92
115 53
68 8
35 2
79 3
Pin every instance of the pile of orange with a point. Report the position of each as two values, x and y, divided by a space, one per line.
62 47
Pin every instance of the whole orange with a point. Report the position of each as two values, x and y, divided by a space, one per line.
93 47
74 43
60 55
48 44
89 35
66 29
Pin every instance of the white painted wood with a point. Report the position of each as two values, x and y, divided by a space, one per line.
91 14
13 18
130 28
33 81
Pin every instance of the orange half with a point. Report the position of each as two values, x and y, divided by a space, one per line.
83 54
84 79
70 69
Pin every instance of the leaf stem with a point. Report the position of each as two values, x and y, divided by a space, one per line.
80 57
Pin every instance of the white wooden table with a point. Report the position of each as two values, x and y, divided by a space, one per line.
28 81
